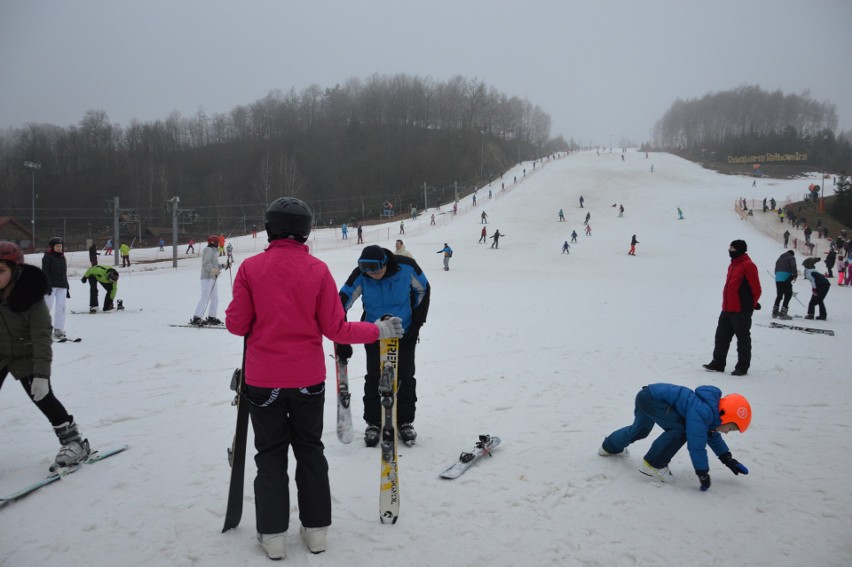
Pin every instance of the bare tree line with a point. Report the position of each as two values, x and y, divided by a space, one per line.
373 137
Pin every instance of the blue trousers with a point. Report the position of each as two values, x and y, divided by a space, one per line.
648 412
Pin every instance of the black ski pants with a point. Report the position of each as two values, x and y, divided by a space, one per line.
817 300
783 290
282 418
49 405
93 293
406 395
732 325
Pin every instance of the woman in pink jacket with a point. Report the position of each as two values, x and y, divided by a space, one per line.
285 301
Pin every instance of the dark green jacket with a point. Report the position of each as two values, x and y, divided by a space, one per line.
25 328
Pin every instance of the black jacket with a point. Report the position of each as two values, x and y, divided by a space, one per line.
56 268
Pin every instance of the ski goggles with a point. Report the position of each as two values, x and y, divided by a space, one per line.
368 266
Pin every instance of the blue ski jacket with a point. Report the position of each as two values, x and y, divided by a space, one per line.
403 292
700 412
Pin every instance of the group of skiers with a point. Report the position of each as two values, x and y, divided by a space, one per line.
284 363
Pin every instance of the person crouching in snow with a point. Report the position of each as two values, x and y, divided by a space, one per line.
693 417
108 278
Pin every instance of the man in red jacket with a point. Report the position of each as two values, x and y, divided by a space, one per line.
739 300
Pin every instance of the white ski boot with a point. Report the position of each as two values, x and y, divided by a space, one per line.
74 448
314 538
273 545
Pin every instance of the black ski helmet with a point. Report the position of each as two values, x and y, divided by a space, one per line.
288 217
54 241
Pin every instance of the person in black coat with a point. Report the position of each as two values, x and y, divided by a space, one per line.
93 254
54 265
830 258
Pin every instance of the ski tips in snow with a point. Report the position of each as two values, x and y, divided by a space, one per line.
482 448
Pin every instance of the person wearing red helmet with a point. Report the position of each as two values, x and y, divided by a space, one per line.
695 418
209 300
26 348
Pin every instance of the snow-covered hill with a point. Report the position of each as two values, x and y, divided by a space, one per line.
543 349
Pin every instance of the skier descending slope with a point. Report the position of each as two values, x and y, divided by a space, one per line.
284 303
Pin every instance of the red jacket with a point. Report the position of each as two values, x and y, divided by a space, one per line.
742 288
286 300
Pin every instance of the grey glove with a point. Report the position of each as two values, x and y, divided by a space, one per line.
39 388
390 328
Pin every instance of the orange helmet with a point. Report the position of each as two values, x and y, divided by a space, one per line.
734 408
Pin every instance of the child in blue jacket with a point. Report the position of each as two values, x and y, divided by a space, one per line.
695 418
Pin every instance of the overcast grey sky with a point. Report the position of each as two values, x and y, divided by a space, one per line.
602 69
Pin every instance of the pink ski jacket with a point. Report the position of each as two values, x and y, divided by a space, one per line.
285 301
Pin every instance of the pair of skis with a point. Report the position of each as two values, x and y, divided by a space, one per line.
808 330
388 383
389 476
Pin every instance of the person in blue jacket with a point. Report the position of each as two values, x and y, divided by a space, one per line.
696 418
448 253
785 274
388 285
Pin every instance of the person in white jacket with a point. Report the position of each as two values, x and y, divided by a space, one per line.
209 300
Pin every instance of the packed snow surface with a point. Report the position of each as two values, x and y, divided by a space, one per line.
544 349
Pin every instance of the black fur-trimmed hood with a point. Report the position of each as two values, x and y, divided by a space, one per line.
32 286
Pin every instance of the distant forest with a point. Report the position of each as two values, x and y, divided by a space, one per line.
748 125
345 150
749 121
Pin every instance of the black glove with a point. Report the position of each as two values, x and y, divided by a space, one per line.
704 477
733 464
68 293
757 306
344 352
83 279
